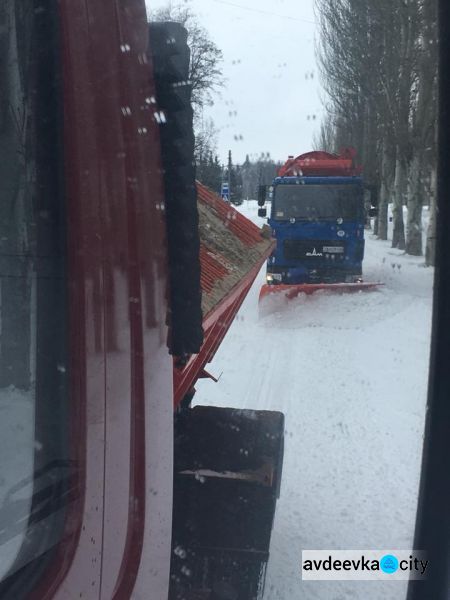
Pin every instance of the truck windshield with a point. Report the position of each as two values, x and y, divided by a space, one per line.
318 202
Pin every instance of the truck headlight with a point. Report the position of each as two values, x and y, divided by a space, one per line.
271 277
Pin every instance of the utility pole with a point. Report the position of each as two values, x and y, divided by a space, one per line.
230 165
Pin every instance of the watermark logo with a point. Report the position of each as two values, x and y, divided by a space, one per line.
389 563
363 564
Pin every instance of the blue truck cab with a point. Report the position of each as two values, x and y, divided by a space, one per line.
318 224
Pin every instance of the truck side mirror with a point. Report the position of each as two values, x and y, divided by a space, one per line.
261 195
262 212
371 194
373 211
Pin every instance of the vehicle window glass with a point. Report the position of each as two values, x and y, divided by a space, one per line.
318 202
357 81
298 266
33 369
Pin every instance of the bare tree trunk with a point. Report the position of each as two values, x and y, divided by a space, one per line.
382 232
384 197
398 234
430 248
414 226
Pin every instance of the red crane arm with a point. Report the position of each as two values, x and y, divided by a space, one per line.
322 164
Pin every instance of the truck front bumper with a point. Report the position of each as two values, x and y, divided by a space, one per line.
294 275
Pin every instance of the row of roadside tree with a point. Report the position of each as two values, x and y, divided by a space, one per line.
379 64
243 179
206 78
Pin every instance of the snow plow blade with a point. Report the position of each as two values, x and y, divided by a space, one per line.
292 291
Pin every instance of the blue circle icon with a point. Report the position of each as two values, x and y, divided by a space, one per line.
389 563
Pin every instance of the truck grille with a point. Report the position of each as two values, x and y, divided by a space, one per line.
313 249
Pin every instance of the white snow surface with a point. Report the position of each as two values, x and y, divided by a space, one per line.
350 374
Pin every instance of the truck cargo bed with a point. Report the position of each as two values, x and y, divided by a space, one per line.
232 252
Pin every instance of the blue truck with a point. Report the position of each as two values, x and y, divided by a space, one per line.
317 216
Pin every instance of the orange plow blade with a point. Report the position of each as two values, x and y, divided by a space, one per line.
292 291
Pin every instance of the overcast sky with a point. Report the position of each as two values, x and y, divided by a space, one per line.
271 100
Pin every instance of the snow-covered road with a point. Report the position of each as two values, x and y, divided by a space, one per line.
350 374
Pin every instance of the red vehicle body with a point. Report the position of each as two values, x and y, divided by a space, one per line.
114 533
114 199
321 164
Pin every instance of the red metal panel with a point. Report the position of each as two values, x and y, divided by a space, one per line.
215 267
215 327
292 291
122 386
82 541
212 269
148 503
318 163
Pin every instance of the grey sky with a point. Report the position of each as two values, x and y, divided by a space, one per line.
271 94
